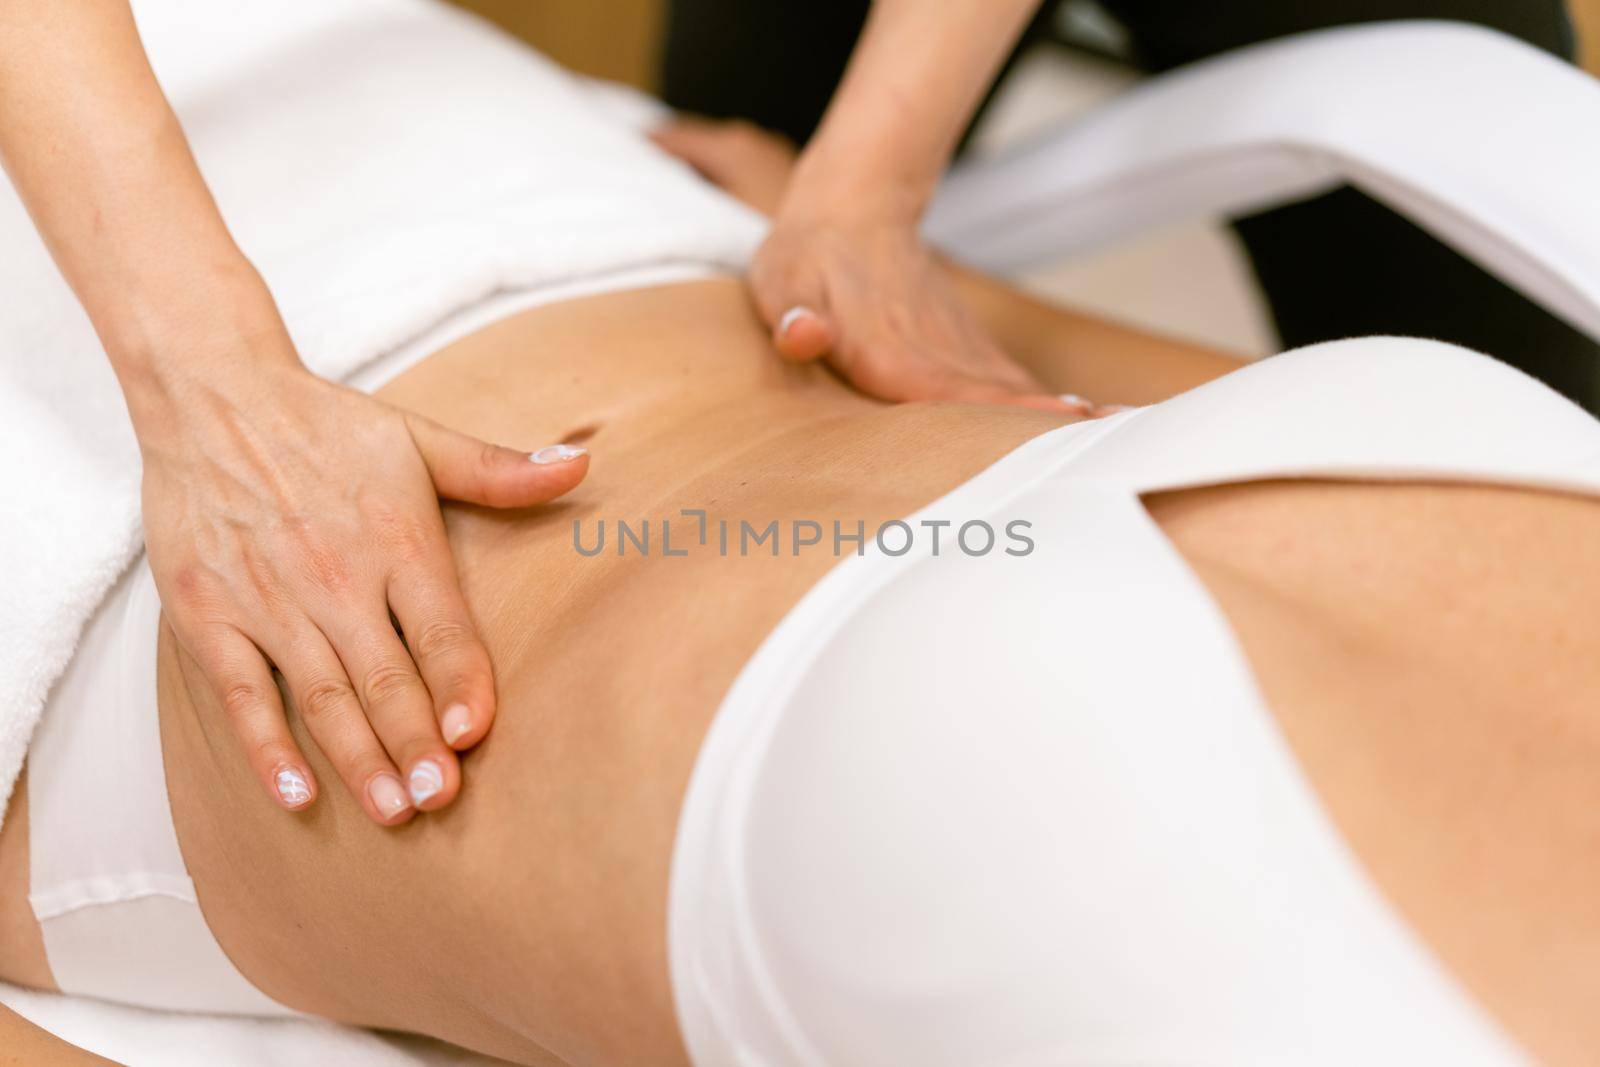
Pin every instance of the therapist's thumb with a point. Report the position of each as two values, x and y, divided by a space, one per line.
476 472
795 310
802 333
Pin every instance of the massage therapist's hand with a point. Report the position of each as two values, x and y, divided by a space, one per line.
286 519
853 282
918 338
843 272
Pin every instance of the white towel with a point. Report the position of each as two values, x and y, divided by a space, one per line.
384 163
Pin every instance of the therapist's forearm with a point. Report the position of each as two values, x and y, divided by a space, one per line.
915 79
104 169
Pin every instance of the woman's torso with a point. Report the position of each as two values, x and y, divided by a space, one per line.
1349 599
608 667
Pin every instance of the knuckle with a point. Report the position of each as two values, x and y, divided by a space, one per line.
488 472
325 698
189 583
490 455
198 602
393 522
444 638
242 699
320 562
327 569
405 539
386 682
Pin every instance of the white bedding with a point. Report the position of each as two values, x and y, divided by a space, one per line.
388 165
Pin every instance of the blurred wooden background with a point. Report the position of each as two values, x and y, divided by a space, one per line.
613 39
1586 13
617 38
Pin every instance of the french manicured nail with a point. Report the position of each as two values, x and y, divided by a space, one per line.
558 453
1075 400
388 795
293 789
426 780
792 316
457 723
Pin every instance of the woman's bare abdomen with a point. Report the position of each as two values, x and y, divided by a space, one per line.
528 918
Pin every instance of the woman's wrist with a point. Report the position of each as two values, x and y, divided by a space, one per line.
909 91
829 185
217 338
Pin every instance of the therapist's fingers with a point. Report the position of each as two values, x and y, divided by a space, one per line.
939 385
438 629
242 680
476 472
399 706
327 702
1061 403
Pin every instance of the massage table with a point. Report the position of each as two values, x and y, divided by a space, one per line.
1478 138
1486 142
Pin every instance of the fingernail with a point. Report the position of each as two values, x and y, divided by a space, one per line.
558 453
792 316
457 723
426 779
388 795
293 789
1075 400
1115 409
